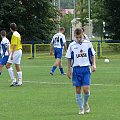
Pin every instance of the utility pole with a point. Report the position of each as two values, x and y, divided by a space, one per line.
59 15
89 18
54 3
74 8
57 3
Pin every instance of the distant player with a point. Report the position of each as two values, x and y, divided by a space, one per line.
58 42
84 35
5 50
81 56
15 56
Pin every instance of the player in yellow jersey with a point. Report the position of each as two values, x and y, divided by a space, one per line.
15 56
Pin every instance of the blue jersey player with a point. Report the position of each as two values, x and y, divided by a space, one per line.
5 46
81 56
58 42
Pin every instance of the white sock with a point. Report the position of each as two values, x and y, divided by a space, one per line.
86 97
19 76
11 73
79 100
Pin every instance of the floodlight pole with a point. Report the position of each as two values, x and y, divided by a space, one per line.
89 17
74 8
59 15
54 2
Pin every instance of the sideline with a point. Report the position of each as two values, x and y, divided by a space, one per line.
60 83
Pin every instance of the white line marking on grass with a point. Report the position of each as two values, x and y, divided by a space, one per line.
55 83
60 83
105 85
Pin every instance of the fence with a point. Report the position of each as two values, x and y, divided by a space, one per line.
103 49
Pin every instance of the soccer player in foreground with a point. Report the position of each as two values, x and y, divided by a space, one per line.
5 50
81 56
15 56
58 42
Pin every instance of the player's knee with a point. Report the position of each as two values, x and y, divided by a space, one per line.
7 66
86 90
78 90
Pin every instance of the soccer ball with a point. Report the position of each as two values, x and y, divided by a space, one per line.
106 61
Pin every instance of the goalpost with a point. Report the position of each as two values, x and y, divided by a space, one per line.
41 50
107 50
27 50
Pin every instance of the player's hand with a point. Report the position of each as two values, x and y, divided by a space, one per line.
11 57
93 68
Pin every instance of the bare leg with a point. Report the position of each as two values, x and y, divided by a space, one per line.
57 62
1 66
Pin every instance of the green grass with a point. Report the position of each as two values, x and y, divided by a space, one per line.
45 97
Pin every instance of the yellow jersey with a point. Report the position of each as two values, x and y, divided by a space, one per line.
16 40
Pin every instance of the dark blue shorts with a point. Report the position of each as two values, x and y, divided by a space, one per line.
81 76
58 53
4 60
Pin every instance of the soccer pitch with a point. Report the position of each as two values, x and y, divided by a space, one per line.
45 97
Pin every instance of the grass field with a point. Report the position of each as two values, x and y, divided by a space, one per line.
45 97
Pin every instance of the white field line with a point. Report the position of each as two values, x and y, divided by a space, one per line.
60 83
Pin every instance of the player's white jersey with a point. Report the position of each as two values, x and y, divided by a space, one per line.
58 40
80 53
5 44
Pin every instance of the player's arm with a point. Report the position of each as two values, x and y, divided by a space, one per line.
13 50
13 45
64 43
69 61
65 47
93 64
51 47
93 58
69 68
8 50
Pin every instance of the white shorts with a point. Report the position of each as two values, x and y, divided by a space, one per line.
16 57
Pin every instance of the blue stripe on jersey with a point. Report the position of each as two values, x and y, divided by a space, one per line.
61 42
72 57
90 54
53 41
4 48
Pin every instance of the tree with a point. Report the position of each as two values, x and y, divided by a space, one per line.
112 18
35 18
97 11
66 22
82 11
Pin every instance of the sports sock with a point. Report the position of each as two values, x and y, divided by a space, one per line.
79 100
53 68
19 74
0 72
86 97
11 73
61 70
